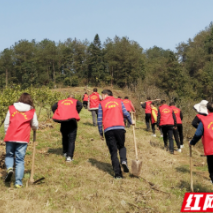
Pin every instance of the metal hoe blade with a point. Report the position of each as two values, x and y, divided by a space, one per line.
136 167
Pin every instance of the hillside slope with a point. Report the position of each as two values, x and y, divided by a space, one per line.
87 184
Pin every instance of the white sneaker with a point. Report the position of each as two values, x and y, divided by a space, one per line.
181 146
161 136
65 155
179 150
69 159
154 135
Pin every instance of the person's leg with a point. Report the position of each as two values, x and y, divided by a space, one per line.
180 131
71 138
170 134
19 160
128 124
153 128
161 132
9 160
64 134
94 117
175 132
10 153
120 138
210 166
147 122
112 145
164 130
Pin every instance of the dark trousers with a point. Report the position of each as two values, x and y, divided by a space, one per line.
175 132
127 124
210 166
168 133
85 104
148 120
94 116
115 140
153 128
69 132
180 131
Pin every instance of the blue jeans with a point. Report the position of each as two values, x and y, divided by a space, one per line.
18 150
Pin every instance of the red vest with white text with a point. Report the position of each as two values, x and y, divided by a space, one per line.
166 117
177 114
148 109
94 100
20 125
112 112
207 138
127 104
152 118
66 110
85 97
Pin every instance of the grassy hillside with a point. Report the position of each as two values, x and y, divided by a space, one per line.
87 184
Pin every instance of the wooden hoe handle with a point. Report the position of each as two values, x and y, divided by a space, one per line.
33 158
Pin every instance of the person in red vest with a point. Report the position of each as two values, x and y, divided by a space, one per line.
178 133
205 130
111 113
20 118
167 121
85 100
146 105
93 103
129 107
154 115
67 112
201 109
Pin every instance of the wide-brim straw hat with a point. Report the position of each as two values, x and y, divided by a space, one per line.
201 107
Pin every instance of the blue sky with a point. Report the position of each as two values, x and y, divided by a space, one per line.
163 23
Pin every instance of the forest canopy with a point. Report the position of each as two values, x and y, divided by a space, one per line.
188 71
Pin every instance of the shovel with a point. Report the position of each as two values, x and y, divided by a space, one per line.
32 181
136 164
191 177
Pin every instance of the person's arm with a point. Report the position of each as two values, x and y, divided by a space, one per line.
181 115
198 134
126 114
54 107
174 117
100 120
83 98
132 107
158 119
7 121
79 106
100 97
34 122
195 122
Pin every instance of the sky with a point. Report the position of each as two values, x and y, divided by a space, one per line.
164 23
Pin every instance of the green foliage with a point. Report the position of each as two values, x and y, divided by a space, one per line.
67 81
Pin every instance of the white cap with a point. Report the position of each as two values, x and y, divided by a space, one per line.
201 107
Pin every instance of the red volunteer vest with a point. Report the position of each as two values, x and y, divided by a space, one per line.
85 97
148 109
200 116
166 117
207 138
112 112
177 114
66 110
156 113
127 104
94 100
20 125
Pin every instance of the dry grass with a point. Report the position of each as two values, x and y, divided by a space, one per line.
87 184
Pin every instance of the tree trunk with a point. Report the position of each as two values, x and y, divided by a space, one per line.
112 78
6 79
53 73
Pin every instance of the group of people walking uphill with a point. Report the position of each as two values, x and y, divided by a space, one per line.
110 114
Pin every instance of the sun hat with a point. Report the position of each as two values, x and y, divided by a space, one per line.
201 107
